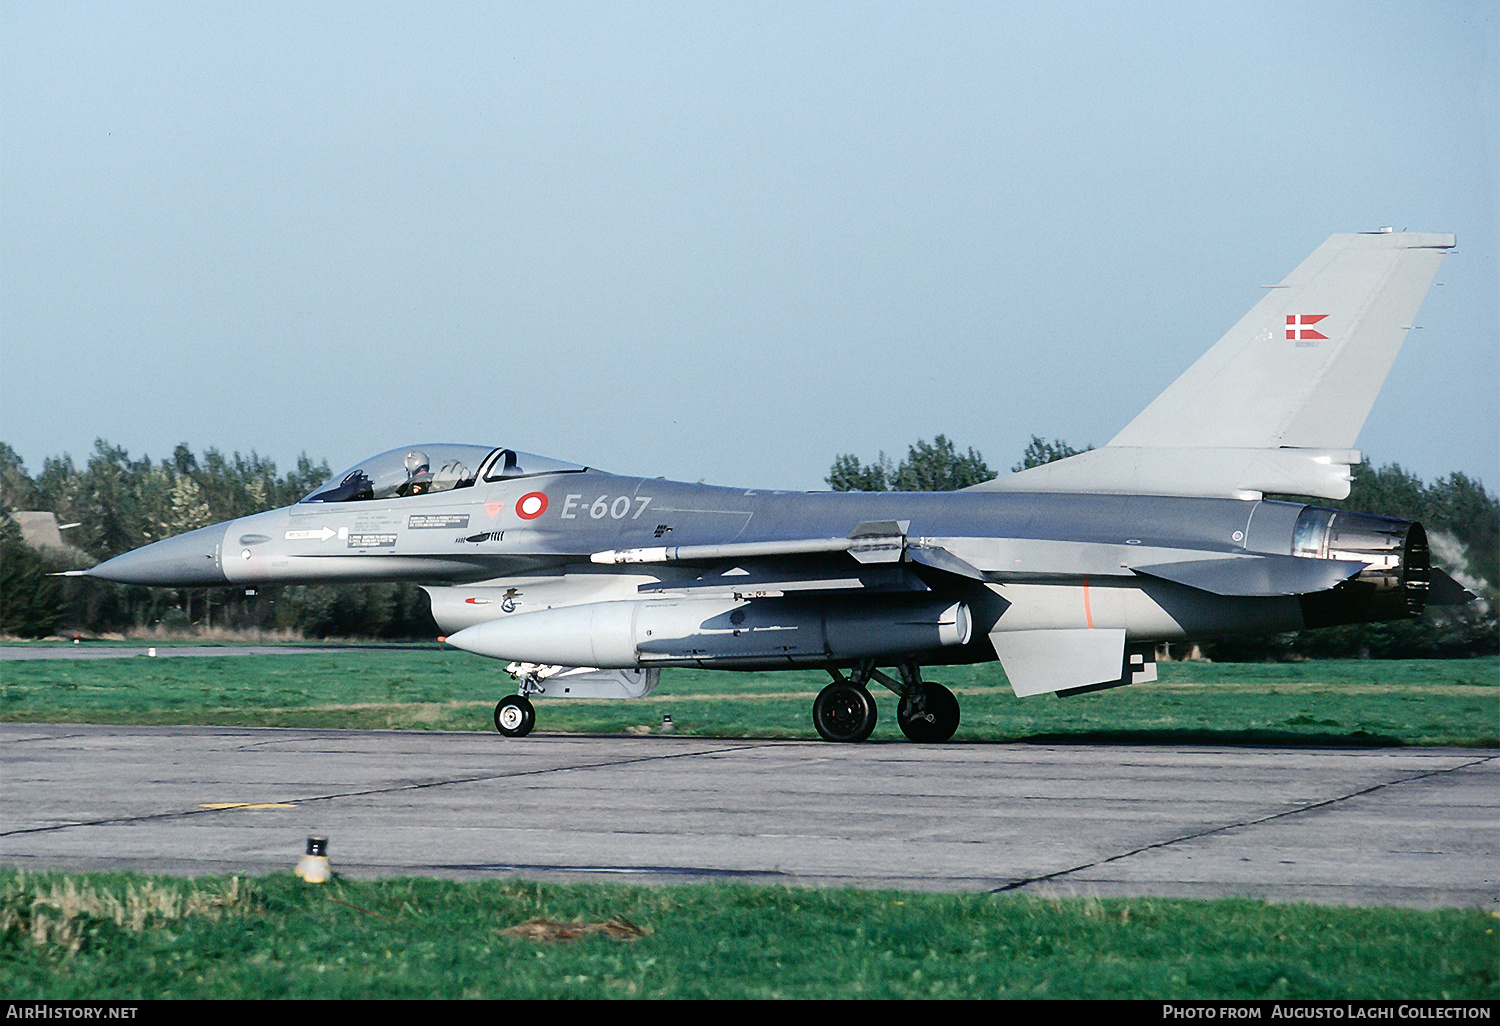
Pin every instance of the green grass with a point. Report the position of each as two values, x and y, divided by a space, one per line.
124 936
116 936
1329 702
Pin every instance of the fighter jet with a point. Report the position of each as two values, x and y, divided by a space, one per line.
587 584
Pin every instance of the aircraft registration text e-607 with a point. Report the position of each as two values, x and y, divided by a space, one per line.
614 507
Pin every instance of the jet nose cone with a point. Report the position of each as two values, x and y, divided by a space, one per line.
189 559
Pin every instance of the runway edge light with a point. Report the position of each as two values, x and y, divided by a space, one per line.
313 866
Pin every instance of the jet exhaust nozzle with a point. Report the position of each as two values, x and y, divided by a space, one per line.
1395 582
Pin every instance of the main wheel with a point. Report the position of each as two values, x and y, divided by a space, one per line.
930 716
514 716
844 712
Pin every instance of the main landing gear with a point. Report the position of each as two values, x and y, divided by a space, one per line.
845 710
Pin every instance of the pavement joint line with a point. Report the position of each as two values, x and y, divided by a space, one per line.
1225 828
519 867
185 813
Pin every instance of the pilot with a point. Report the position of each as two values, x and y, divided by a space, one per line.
418 475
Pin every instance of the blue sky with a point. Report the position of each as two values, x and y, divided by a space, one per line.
714 241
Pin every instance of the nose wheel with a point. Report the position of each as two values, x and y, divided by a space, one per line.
515 716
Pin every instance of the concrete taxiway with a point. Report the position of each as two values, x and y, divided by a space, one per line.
10 653
1412 827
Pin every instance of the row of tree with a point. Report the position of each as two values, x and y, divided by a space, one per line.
935 466
120 503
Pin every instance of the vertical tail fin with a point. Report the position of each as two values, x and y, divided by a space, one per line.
1303 367
1276 404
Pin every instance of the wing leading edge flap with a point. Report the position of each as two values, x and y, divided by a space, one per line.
871 542
1263 575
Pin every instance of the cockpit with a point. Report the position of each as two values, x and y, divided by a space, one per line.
425 469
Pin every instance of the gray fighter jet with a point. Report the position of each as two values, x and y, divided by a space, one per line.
587 583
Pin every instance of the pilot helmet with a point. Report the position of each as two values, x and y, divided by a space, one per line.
418 470
416 463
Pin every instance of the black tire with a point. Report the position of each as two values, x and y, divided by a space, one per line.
930 717
844 712
514 716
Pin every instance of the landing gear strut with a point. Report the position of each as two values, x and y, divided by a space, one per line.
845 711
515 716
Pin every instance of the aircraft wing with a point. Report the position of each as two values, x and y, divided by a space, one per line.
786 565
872 544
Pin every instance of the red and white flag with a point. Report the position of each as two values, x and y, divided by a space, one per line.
1297 326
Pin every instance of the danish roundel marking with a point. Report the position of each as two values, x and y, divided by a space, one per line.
531 505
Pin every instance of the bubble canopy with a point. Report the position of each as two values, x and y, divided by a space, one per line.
424 469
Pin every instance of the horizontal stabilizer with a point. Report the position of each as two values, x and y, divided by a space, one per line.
1443 590
1257 575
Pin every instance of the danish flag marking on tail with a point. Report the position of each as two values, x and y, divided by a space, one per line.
1297 326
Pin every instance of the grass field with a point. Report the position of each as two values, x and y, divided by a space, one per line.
121 936
1331 702
117 936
